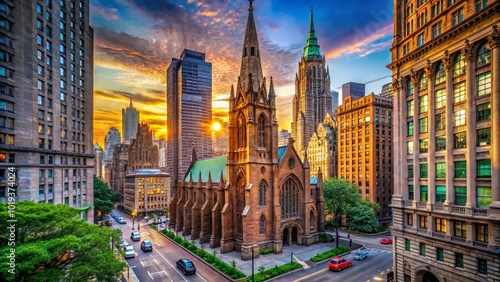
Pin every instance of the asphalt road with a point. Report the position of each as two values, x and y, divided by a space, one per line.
159 265
373 268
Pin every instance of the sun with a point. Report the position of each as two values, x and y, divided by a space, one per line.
216 126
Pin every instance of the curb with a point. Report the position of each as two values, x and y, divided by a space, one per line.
199 259
285 274
339 255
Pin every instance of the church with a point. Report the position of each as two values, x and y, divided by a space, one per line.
259 195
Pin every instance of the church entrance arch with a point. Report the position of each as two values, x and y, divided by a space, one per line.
286 234
295 233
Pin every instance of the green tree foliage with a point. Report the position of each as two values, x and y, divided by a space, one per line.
361 218
53 244
104 198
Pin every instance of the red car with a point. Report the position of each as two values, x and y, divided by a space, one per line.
386 241
338 263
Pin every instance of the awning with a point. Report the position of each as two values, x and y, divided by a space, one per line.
84 208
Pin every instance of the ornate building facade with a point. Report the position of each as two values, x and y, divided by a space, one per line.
142 152
446 87
312 100
322 149
259 195
146 190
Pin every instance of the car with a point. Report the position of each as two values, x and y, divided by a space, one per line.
121 220
339 263
135 236
146 218
129 252
146 246
186 266
123 243
359 255
386 241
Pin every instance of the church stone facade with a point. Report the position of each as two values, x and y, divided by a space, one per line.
259 195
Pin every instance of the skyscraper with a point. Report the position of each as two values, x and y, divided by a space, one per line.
130 122
335 101
98 162
354 89
446 91
312 100
46 93
189 111
110 140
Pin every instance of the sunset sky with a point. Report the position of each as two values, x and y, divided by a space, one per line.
135 41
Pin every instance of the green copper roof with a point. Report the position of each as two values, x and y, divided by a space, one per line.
312 48
213 165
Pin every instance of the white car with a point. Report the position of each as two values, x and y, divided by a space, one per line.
129 252
123 243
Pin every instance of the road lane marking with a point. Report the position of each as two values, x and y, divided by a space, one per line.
175 268
312 274
142 263
150 275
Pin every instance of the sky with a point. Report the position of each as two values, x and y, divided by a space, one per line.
135 41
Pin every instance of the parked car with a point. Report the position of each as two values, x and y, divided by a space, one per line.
146 218
186 266
386 241
146 246
123 243
338 263
359 255
135 236
129 252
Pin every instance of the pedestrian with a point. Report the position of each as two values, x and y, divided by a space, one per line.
350 242
348 235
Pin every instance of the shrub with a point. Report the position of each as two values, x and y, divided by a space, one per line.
325 237
329 254
265 251
178 239
185 243
274 271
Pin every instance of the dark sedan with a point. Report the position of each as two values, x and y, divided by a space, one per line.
186 266
146 246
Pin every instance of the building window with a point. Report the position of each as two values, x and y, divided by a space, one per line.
482 266
483 112
440 225
409 147
460 169
421 250
410 192
407 244
483 56
484 137
484 168
483 84
423 170
440 121
423 221
262 224
420 40
409 219
262 193
440 98
459 260
440 74
241 131
262 131
481 4
441 170
410 128
459 140
424 145
460 117
458 66
423 125
440 143
457 17
460 195
460 229
439 254
423 104
459 92
482 232
409 105
483 197
410 171
289 199
424 193
436 30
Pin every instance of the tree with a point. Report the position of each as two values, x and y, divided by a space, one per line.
340 196
53 244
104 198
361 218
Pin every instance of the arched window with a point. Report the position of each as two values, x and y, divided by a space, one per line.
215 197
440 74
483 56
289 199
261 131
241 131
423 82
458 66
311 220
262 225
409 87
240 193
262 193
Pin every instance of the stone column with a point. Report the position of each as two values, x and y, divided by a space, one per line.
494 45
416 161
470 156
399 97
450 165
431 117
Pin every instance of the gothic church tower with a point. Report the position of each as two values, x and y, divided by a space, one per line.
312 100
251 213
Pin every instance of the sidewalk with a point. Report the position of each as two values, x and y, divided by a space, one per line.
128 275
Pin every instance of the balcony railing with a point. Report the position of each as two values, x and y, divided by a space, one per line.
480 211
457 209
438 206
408 203
422 205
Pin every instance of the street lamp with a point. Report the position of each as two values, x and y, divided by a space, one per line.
134 213
252 265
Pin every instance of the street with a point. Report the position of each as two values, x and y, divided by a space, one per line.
159 265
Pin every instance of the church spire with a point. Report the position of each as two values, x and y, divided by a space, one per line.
251 69
312 48
131 106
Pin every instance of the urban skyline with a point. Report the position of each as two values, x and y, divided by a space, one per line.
132 58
